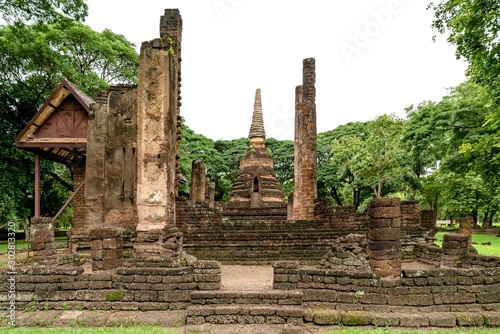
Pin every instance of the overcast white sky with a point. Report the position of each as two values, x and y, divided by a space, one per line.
372 57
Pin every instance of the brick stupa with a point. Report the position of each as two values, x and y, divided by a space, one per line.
256 186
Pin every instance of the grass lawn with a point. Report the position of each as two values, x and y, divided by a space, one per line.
493 249
22 244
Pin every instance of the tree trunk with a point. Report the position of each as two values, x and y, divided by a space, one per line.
336 196
356 195
474 215
26 230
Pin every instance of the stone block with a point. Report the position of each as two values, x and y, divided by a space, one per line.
469 319
441 319
413 320
356 318
96 244
385 202
112 243
384 234
384 212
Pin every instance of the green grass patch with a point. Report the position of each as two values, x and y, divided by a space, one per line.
480 239
414 331
22 244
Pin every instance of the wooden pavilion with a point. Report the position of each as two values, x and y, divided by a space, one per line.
58 132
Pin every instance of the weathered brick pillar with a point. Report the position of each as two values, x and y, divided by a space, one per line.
158 240
305 166
106 247
198 181
210 193
428 224
427 220
466 227
171 33
455 250
43 243
384 236
410 217
79 199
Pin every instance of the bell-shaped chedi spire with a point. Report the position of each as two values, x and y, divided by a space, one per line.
257 127
256 186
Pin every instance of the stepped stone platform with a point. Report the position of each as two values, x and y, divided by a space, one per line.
247 303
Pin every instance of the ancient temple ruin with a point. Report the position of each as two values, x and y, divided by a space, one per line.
256 188
152 250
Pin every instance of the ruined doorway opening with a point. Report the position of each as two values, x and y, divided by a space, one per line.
256 184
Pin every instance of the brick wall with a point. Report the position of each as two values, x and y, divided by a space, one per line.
437 290
126 288
235 238
79 199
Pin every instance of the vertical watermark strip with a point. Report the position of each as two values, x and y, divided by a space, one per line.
11 272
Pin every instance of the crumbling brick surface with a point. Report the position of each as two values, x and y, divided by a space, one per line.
384 236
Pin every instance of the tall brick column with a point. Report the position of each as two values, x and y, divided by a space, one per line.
171 33
198 182
210 193
158 240
43 243
384 236
305 165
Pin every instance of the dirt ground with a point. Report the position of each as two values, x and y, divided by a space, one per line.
245 278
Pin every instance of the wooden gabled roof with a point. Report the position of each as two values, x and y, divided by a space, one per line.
58 131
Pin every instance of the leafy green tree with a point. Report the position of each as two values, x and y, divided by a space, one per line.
336 151
42 43
197 147
439 137
382 154
282 152
35 58
424 140
344 173
231 152
469 105
473 27
18 11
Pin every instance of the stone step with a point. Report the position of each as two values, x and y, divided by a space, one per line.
322 316
246 314
270 297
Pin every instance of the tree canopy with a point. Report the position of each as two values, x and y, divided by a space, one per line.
42 43
20 11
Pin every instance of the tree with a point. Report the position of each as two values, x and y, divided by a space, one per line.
231 152
19 11
197 147
336 151
35 58
425 139
282 152
473 27
44 42
450 176
382 155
